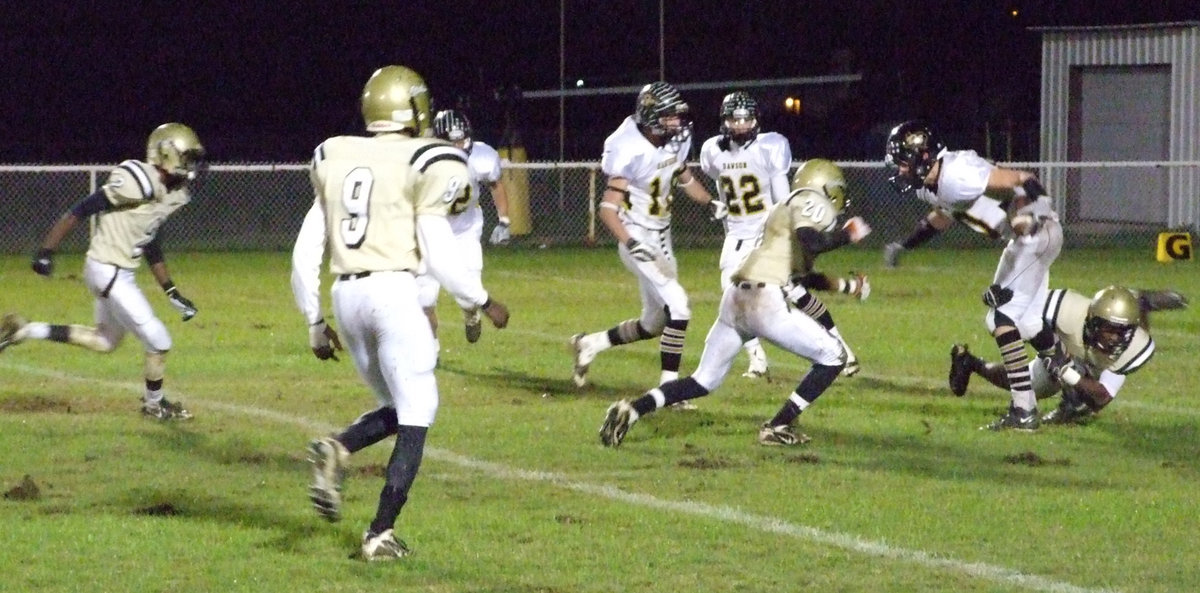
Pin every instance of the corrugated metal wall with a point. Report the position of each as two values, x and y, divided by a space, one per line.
1177 44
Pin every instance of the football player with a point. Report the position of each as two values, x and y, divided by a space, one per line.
755 305
984 214
645 159
1099 342
466 216
130 208
380 208
955 182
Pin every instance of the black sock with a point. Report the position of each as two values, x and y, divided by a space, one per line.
60 333
401 471
673 392
920 235
368 429
627 331
814 383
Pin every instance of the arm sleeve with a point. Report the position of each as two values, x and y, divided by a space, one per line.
438 250
815 241
306 264
93 204
153 252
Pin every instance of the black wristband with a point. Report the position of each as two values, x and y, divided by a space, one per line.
486 304
1033 189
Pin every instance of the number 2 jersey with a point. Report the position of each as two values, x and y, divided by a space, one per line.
651 172
139 204
750 178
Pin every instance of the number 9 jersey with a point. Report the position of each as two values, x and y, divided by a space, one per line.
750 178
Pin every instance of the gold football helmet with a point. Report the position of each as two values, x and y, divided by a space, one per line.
823 176
395 98
176 149
1112 318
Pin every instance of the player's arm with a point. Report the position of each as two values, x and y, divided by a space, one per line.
500 199
1023 185
616 194
817 242
43 260
699 194
1097 393
153 253
307 254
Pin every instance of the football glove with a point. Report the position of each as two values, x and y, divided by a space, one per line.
640 251
500 232
719 209
184 305
43 262
857 229
997 296
323 340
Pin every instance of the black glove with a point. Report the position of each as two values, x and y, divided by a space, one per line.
1055 359
43 262
996 296
640 251
185 305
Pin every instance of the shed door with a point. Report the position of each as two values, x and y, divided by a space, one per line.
1120 113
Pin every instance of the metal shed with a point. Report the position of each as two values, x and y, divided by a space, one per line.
1122 94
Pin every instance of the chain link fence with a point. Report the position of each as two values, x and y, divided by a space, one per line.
260 207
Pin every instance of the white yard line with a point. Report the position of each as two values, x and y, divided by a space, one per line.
762 523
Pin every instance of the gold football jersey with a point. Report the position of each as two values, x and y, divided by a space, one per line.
1066 311
140 203
372 189
778 253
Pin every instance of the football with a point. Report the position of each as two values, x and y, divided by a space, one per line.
1024 224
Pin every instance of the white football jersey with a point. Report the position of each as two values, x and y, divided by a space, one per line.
961 183
140 203
651 171
483 164
778 253
749 179
1066 312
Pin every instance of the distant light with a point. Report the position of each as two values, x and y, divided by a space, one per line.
1015 12
792 105
579 83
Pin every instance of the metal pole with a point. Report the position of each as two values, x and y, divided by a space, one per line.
562 85
662 62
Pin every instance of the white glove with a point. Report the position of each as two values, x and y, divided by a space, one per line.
640 251
857 228
719 209
500 232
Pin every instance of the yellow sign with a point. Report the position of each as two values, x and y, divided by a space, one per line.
1174 247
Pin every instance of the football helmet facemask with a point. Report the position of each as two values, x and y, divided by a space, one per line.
394 99
739 118
1112 319
662 114
454 127
913 146
176 149
823 176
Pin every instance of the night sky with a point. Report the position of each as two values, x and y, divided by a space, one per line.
87 84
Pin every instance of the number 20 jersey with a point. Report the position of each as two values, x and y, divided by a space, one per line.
749 178
651 172
372 189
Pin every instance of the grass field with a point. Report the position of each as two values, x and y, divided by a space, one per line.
898 491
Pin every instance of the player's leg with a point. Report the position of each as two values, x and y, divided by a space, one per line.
810 305
406 354
1024 270
799 334
648 325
